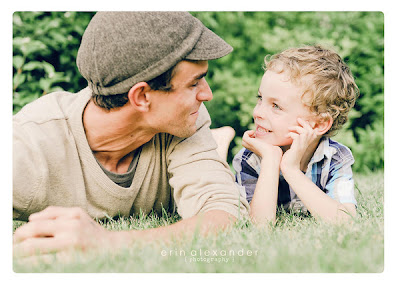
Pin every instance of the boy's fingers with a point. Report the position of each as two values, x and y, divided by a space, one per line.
297 129
249 133
244 141
304 129
304 123
301 121
293 135
247 141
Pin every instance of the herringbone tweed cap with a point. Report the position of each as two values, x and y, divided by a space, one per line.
120 49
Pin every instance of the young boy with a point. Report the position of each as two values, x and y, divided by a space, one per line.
289 159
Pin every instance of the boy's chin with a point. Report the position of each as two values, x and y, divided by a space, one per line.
282 144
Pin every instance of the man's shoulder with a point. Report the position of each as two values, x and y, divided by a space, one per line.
42 125
52 106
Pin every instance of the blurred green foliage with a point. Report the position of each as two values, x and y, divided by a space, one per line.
46 43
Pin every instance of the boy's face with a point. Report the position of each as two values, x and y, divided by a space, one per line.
278 107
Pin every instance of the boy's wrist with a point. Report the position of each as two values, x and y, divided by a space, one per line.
272 154
270 163
290 172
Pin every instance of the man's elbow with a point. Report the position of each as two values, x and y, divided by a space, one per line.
217 219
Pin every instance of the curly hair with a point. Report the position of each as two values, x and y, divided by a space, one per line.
329 86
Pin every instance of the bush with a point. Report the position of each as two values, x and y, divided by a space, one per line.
369 150
46 44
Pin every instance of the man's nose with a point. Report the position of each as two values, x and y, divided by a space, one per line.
205 93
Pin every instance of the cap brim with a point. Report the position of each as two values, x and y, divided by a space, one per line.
209 47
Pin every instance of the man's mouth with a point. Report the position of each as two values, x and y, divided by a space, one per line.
195 112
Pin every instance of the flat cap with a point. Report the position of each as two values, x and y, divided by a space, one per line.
120 49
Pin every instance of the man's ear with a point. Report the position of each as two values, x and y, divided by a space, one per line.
323 123
139 96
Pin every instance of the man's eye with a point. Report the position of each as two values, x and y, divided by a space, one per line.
195 84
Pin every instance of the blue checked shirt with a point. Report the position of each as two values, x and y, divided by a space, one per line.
329 169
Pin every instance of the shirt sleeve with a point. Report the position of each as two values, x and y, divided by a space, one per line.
340 184
246 175
27 175
201 181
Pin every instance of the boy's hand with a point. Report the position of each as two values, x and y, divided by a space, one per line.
262 149
302 136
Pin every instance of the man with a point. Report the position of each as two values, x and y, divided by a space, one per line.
136 139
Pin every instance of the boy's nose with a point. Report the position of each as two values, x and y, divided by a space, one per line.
257 112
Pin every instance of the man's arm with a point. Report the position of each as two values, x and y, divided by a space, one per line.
57 229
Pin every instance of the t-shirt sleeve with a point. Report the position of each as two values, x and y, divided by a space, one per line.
201 181
340 183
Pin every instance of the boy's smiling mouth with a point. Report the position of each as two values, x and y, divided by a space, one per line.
261 131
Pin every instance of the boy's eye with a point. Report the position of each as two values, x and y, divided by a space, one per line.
259 97
275 106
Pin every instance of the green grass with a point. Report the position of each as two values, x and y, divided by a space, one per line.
295 244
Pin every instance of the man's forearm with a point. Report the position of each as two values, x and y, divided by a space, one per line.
205 223
57 229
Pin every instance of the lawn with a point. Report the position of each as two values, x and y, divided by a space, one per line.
294 244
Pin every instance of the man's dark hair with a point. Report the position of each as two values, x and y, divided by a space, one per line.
162 82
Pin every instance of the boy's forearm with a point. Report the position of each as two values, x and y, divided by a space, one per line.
263 204
316 201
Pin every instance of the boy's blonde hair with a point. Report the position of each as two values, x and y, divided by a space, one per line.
329 86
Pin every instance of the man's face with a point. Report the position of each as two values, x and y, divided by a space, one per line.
175 112
279 105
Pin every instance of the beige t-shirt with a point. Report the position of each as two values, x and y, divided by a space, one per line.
54 165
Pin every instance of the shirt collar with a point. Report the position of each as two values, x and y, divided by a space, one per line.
323 150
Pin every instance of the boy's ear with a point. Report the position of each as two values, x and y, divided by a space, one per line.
323 123
139 96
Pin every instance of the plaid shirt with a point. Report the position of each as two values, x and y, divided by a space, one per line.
329 169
